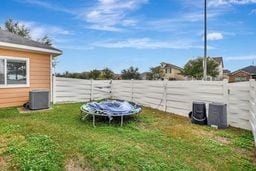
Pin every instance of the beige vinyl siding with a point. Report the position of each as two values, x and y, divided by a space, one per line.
174 74
39 77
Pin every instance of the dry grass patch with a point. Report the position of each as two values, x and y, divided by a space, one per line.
77 163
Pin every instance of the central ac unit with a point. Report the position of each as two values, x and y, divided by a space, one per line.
39 99
217 115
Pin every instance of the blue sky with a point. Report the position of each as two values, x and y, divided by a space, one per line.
142 33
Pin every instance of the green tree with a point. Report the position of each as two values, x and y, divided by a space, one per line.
45 40
84 75
155 73
59 75
194 68
66 74
94 74
16 28
130 73
106 74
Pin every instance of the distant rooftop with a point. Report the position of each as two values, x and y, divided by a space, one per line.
219 60
171 65
226 71
249 69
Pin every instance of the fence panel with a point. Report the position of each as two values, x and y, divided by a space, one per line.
181 94
121 89
147 93
79 90
172 96
101 89
239 105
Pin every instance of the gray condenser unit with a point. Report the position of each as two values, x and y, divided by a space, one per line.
39 99
217 115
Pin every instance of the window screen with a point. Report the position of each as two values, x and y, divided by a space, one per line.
16 72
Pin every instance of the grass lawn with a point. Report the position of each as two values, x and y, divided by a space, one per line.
58 140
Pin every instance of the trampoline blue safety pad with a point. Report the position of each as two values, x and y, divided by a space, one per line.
109 108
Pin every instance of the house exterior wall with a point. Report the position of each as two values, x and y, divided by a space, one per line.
174 74
226 76
220 69
39 77
240 74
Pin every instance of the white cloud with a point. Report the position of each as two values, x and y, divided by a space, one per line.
105 28
240 58
76 47
216 3
47 5
129 22
147 43
253 12
214 36
242 1
38 30
179 23
111 15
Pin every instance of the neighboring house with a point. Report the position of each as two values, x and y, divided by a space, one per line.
219 60
144 75
244 74
226 73
117 76
172 72
25 65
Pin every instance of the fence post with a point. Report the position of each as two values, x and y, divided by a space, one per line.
53 89
132 90
91 94
110 91
226 97
254 108
253 89
165 95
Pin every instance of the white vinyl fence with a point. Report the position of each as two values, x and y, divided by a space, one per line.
252 106
68 90
170 96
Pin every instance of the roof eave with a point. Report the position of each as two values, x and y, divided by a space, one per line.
30 48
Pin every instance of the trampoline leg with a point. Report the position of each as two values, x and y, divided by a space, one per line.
93 120
122 120
81 114
84 117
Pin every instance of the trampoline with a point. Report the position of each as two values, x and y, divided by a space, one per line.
110 109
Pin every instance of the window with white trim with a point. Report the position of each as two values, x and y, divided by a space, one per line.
13 72
240 78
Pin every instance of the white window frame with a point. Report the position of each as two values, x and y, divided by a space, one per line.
5 85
